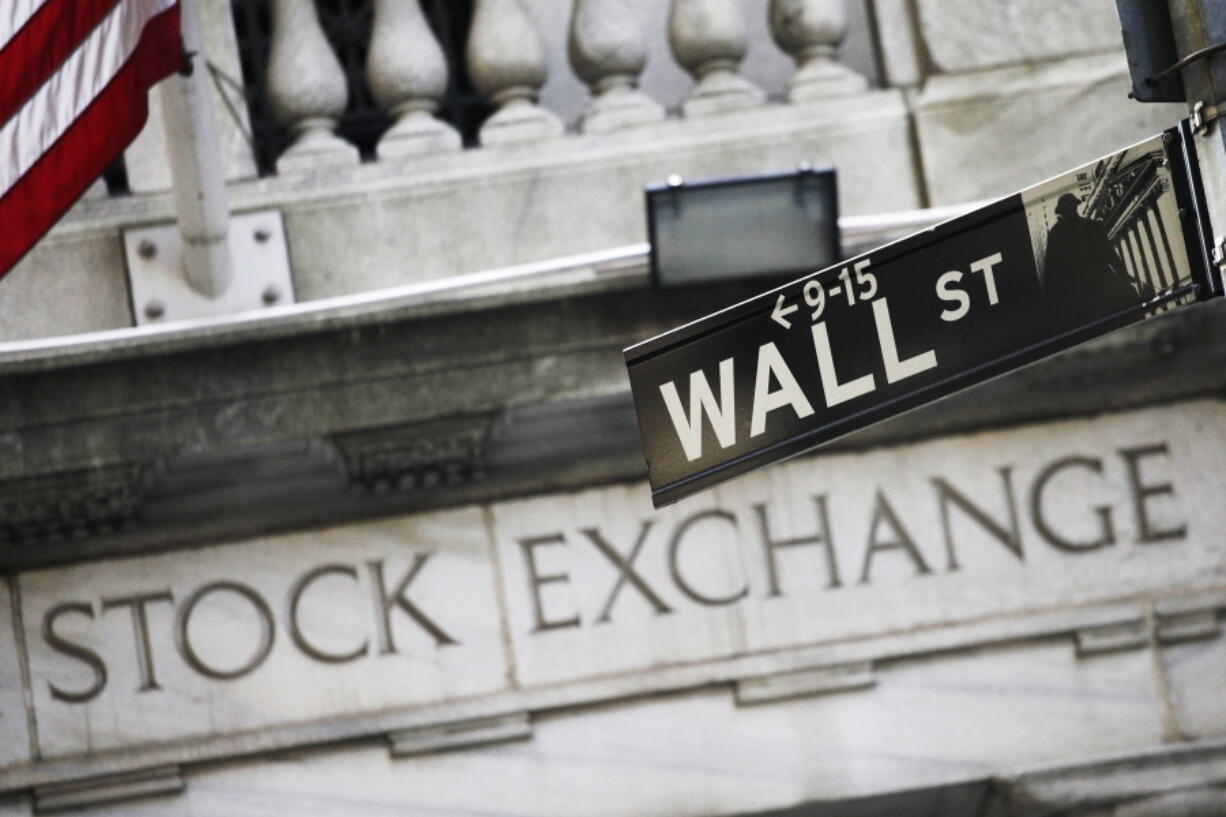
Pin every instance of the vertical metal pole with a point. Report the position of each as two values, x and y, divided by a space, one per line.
1197 24
193 144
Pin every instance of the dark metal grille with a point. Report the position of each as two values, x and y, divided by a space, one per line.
462 105
347 25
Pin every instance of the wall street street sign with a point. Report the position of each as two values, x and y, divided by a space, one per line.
1103 246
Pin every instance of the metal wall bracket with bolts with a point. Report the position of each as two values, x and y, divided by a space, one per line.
1219 251
161 292
1203 116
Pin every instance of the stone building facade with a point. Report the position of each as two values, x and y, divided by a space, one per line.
382 544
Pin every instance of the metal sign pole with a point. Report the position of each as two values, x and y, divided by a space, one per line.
1199 26
193 143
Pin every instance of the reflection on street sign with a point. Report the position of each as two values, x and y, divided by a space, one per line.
1095 249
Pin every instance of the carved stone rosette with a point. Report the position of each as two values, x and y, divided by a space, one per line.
69 505
416 457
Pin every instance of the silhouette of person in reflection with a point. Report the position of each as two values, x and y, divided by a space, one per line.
1083 277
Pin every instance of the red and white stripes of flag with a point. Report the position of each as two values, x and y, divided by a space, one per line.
74 83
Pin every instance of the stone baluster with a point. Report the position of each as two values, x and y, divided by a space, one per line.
97 190
608 52
810 31
307 89
708 40
506 60
407 73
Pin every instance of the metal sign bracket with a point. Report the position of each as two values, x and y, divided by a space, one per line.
1219 251
1203 116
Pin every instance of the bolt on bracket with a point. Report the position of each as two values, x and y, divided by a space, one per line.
1219 250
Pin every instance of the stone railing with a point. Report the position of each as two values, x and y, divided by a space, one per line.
507 62
507 58
636 63
580 104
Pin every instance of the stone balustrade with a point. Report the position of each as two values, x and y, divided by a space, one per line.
515 55
508 60
568 107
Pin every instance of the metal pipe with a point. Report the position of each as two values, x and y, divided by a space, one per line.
193 145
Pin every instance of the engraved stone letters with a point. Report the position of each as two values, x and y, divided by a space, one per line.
260 617
866 535
452 605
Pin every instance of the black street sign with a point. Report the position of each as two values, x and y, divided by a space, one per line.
1093 250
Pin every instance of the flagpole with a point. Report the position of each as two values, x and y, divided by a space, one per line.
193 145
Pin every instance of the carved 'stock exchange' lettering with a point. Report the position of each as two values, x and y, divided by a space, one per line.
390 600
856 542
1075 506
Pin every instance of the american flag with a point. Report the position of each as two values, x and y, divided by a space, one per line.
74 82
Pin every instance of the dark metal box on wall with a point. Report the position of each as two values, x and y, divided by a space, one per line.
766 229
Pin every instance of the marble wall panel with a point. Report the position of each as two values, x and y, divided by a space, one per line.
282 630
852 546
927 723
563 600
991 133
15 744
964 35
1196 684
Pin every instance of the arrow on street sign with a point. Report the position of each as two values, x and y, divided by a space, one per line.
780 312
1084 253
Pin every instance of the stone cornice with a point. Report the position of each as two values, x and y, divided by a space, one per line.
535 377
